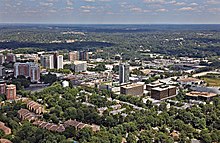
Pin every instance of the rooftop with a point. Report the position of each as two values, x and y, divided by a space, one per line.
189 79
131 85
201 94
163 88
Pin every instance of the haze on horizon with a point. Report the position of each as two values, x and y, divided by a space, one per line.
110 11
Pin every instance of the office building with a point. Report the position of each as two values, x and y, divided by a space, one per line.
73 56
28 69
47 61
11 92
153 85
132 89
163 92
59 62
2 59
79 66
83 56
10 57
123 73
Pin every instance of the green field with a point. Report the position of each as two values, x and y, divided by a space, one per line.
212 81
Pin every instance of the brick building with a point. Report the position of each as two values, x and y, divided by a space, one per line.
11 92
159 93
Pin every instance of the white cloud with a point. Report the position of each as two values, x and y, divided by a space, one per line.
213 2
186 9
69 2
161 10
87 7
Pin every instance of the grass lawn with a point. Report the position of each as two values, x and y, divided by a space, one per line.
212 81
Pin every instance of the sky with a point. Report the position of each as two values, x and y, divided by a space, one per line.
110 11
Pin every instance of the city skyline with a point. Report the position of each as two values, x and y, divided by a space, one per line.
110 11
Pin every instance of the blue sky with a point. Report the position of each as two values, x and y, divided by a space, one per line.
110 11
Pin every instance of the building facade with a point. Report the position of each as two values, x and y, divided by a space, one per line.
28 69
2 87
132 89
47 61
59 62
159 93
83 56
11 92
123 73
2 71
2 59
10 57
73 56
79 66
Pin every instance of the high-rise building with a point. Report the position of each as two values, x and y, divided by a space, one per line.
55 55
11 92
21 69
73 56
2 71
47 61
60 62
2 87
10 57
123 73
83 56
34 72
2 59
28 69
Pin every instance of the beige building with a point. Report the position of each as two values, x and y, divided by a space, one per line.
132 89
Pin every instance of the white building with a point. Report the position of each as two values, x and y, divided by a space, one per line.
60 62
47 61
123 73
65 84
79 66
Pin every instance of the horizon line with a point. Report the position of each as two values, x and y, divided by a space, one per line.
46 23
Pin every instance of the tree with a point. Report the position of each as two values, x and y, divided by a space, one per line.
131 138
1 133
49 78
84 134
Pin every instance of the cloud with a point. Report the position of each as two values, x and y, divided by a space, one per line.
213 2
214 10
180 3
154 1
186 9
194 4
87 7
136 9
86 11
161 10
46 3
89 0
69 2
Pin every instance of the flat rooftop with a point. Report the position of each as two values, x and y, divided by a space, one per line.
201 94
131 85
163 88
79 62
